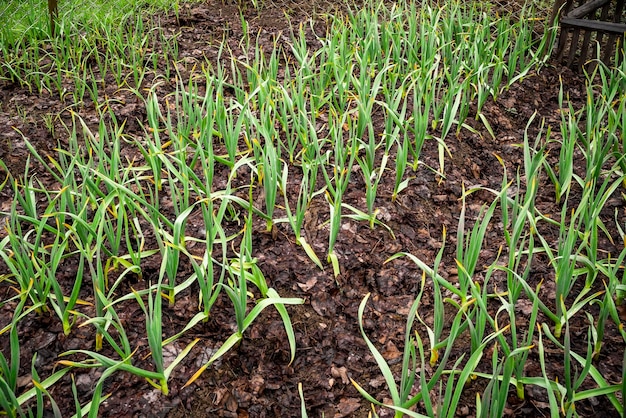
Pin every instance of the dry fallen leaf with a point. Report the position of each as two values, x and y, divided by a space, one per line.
391 352
347 406
308 285
341 372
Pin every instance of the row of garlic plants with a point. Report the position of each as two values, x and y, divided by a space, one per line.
588 280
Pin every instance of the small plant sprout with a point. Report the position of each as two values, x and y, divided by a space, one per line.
241 271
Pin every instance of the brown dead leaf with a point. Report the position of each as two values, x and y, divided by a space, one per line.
257 384
377 382
391 352
308 285
341 372
525 307
476 171
347 406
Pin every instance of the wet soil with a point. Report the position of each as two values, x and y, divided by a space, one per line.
256 379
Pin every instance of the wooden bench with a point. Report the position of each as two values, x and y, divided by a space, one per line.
587 24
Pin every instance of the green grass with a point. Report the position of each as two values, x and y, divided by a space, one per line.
30 18
308 127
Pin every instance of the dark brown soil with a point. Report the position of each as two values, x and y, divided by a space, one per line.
255 379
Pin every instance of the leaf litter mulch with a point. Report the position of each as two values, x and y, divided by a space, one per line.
255 379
